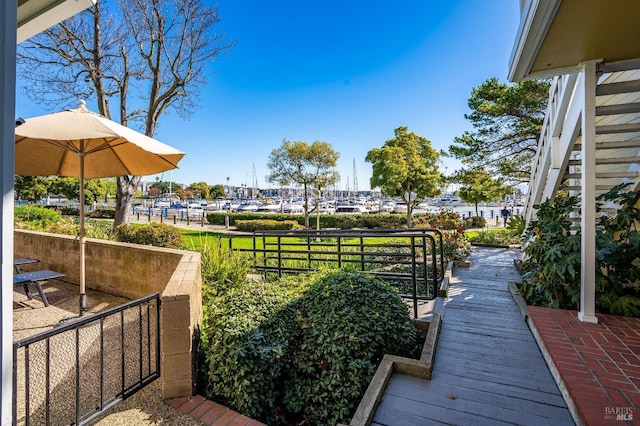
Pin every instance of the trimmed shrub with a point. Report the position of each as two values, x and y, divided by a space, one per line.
154 234
454 244
249 332
303 349
343 221
102 213
493 237
266 225
475 222
343 335
444 221
35 217
69 211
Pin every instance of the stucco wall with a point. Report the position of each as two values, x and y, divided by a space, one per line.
133 271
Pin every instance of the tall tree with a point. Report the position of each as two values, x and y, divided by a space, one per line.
202 189
165 187
477 186
217 191
310 166
147 56
31 188
507 120
406 167
94 189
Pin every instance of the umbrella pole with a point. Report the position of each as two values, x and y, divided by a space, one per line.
83 296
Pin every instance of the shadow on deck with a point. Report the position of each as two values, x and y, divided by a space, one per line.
490 364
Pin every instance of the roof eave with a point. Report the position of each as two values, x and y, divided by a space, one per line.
536 18
38 15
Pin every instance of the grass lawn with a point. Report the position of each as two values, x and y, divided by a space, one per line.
499 236
196 239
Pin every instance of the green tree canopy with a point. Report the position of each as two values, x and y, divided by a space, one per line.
217 191
507 120
309 166
477 186
165 187
31 188
407 167
202 189
94 189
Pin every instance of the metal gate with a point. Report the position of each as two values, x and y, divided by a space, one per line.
71 374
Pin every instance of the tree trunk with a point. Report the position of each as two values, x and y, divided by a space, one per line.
409 214
127 186
306 207
477 210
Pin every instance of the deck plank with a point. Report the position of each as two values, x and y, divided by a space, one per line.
488 368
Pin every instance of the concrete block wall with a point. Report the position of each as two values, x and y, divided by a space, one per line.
133 271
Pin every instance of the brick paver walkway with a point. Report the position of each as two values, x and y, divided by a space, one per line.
599 364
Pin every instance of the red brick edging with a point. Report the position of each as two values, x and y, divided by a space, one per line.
211 413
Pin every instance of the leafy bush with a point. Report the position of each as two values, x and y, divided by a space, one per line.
266 225
551 269
35 217
475 222
516 225
343 335
618 254
69 211
444 220
221 270
249 331
303 349
495 237
102 213
154 234
92 229
454 245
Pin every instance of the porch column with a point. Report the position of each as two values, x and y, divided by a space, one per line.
588 202
8 25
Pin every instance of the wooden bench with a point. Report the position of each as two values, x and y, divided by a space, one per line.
35 278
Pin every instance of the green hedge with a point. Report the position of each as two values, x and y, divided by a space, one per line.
35 217
154 234
102 213
266 225
302 350
343 221
475 222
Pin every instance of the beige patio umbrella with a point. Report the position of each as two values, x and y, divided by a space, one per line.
83 144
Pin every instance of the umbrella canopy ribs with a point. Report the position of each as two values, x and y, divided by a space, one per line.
80 143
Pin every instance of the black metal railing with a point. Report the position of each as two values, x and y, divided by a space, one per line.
412 260
72 373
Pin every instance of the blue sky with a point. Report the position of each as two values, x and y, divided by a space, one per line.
343 72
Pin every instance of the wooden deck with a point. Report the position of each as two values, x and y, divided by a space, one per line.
488 368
